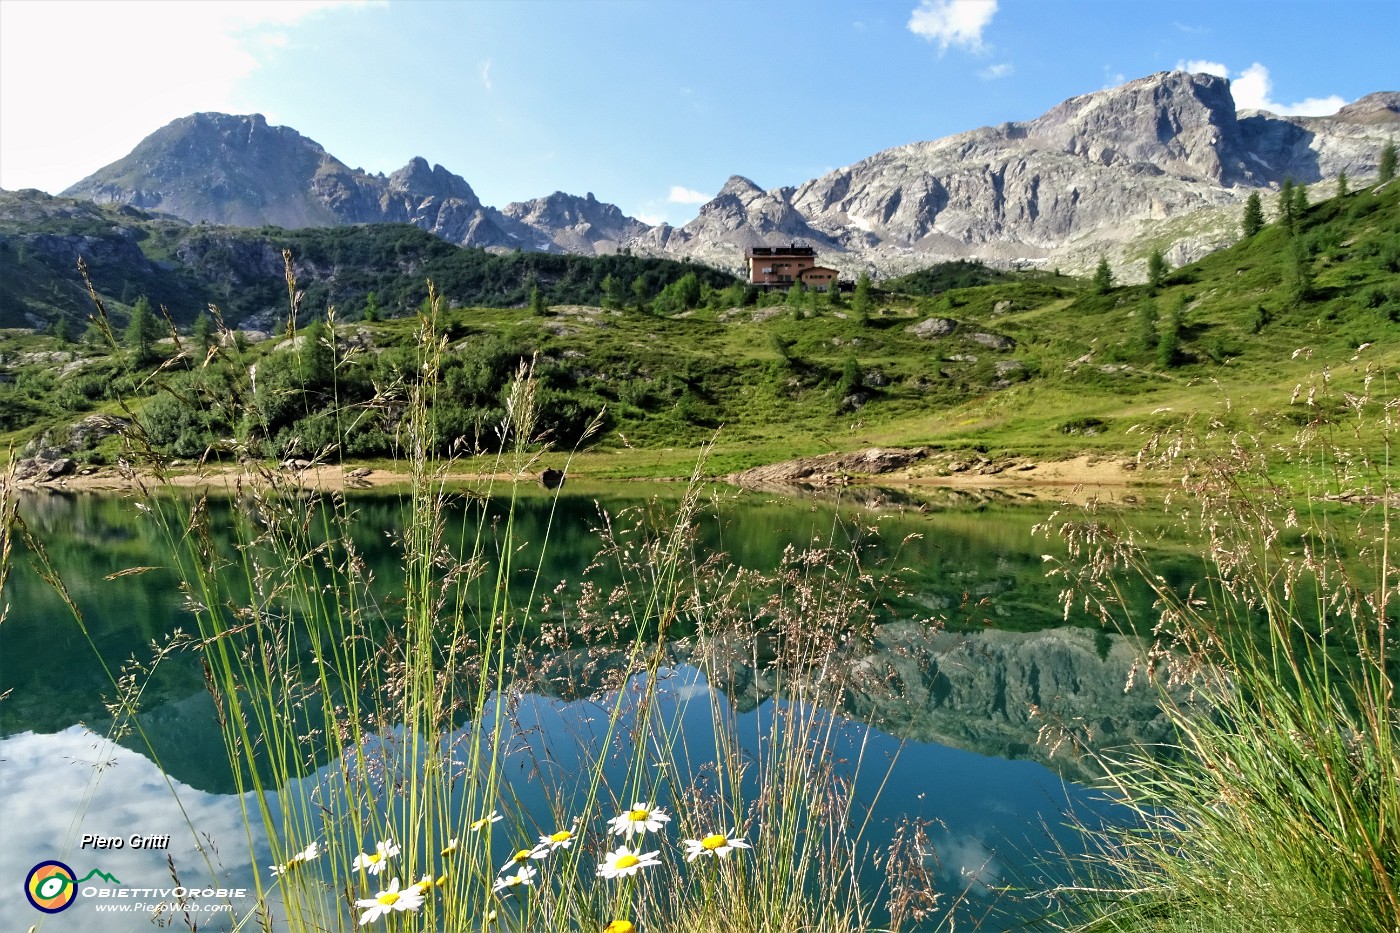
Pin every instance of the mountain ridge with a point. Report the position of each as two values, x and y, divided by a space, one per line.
1089 177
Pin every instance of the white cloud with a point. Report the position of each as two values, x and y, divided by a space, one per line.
486 75
654 220
952 22
1197 66
682 195
82 82
1252 88
992 72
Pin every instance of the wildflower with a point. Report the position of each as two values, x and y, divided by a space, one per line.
620 926
713 844
374 863
389 900
560 840
526 875
450 847
305 855
522 856
643 817
427 882
622 862
478 825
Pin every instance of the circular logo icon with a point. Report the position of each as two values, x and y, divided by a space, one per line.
51 886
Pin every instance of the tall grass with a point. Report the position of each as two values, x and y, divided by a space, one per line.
1279 807
390 739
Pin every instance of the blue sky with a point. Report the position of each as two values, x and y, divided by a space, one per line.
649 105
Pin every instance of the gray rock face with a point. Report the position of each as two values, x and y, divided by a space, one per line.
238 170
1165 156
576 225
1088 178
741 215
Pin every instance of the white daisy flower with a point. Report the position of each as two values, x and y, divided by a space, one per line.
622 862
305 855
374 863
560 840
715 844
450 847
643 817
492 817
526 875
522 856
390 900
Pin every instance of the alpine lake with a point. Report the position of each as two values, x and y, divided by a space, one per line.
960 745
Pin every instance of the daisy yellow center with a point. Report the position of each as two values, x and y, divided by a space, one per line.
638 816
626 861
713 841
387 898
562 836
478 824
522 856
375 858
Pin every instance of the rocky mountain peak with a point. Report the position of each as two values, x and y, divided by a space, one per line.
739 187
1181 123
417 180
1380 107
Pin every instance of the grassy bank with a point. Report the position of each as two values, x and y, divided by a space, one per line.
1279 805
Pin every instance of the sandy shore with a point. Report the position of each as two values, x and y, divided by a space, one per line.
1083 471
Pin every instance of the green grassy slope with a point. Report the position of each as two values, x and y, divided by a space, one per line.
1030 364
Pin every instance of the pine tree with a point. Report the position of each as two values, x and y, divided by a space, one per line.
537 305
142 332
1300 283
1147 324
1157 269
861 301
1286 204
203 333
1341 184
612 292
1253 215
1103 277
833 295
60 331
1387 167
371 307
639 292
1300 203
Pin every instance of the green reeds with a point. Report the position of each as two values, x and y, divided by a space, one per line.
379 734
1279 807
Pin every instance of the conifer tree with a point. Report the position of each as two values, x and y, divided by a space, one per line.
1253 215
1341 184
203 333
1387 166
861 301
537 305
1103 277
1157 269
1286 204
1147 324
142 332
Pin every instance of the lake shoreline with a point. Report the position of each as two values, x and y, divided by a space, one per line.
1078 475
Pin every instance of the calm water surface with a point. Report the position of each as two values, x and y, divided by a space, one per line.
959 743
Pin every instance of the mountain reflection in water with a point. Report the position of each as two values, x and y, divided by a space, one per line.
956 724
